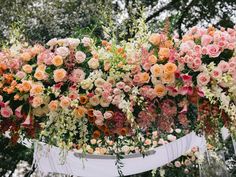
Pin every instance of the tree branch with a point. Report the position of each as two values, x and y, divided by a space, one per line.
168 6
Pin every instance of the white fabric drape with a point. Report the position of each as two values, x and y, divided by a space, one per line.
47 159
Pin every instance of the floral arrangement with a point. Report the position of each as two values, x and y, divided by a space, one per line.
108 98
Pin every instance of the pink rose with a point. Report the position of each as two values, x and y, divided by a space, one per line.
62 51
97 113
6 112
80 57
86 41
223 65
206 40
77 75
204 51
120 85
108 115
213 50
20 74
203 79
216 72
186 78
116 91
127 88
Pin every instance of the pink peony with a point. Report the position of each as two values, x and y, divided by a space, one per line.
6 112
213 50
80 57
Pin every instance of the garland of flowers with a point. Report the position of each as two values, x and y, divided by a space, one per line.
87 96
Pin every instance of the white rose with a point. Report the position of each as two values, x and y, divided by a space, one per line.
171 137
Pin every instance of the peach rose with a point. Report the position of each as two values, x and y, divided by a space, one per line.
27 68
39 75
37 101
94 101
26 56
160 90
65 102
156 70
152 59
144 77
57 60
80 112
36 89
168 78
164 53
169 68
155 39
93 63
26 85
53 105
59 75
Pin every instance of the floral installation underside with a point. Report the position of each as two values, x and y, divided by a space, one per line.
114 98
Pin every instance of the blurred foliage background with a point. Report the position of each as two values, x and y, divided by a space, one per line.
37 21
41 20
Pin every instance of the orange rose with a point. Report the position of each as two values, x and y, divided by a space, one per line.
80 112
160 90
156 70
53 105
59 75
152 59
27 68
170 68
57 60
26 86
168 44
26 56
83 99
96 134
155 39
164 53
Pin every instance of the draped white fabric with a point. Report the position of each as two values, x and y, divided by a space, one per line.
47 159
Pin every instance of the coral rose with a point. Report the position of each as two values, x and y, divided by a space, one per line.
164 53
